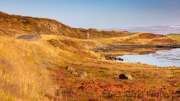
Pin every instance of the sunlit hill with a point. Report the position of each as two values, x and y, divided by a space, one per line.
44 60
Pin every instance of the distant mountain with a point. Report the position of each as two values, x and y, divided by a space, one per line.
153 29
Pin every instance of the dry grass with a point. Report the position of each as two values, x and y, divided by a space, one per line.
140 38
23 72
175 36
32 70
25 66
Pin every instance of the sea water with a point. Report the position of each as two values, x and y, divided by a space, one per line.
162 58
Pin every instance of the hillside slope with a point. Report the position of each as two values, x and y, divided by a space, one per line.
28 68
36 70
15 24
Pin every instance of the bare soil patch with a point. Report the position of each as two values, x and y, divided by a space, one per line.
29 37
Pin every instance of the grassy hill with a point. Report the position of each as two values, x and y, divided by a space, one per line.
36 70
16 24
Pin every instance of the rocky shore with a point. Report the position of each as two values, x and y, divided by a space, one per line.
111 47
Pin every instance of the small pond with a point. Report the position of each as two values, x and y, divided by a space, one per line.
162 58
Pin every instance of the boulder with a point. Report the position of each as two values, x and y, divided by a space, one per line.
120 59
125 76
74 73
70 68
83 74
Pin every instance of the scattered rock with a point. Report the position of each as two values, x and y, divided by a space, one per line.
87 35
70 68
74 73
125 76
83 74
58 93
113 58
81 64
120 59
56 45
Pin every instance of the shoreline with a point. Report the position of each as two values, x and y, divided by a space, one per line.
111 47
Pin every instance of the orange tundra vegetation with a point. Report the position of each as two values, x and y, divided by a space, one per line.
37 70
29 25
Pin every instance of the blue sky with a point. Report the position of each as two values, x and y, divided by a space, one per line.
100 14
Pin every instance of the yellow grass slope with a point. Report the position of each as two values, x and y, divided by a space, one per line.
25 65
22 74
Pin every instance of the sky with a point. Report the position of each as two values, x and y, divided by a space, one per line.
100 14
